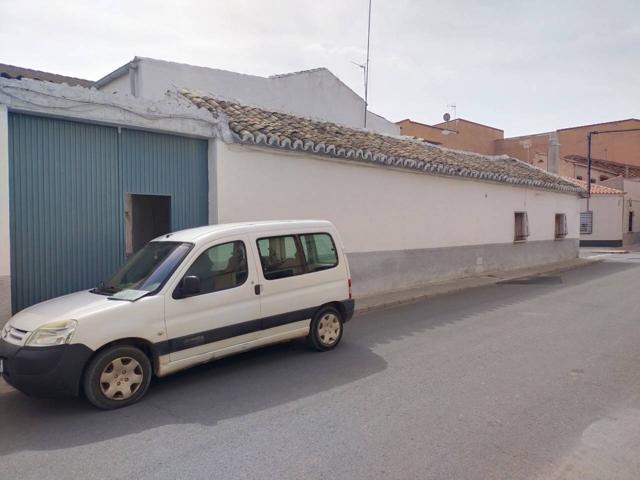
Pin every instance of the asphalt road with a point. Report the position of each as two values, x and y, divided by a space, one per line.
533 379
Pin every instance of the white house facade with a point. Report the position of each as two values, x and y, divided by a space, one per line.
631 207
315 93
78 165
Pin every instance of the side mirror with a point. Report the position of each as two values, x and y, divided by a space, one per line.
190 285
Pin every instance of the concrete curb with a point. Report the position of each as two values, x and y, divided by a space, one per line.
392 299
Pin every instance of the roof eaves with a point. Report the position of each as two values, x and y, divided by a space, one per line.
117 73
435 168
432 166
598 124
471 122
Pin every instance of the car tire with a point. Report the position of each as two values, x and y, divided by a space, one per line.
326 329
117 376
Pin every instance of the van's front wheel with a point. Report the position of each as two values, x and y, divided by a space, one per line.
325 330
116 377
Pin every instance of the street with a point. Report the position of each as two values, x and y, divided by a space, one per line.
535 378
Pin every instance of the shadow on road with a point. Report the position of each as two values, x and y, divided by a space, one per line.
261 379
207 394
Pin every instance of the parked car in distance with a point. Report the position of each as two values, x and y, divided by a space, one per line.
184 299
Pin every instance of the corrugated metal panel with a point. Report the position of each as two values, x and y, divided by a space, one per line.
159 164
64 206
68 181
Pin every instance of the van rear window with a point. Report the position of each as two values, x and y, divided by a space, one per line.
291 255
319 251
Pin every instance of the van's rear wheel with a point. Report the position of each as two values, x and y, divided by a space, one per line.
325 330
116 377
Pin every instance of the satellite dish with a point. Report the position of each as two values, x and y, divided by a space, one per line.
446 117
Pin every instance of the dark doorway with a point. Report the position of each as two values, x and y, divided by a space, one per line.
146 217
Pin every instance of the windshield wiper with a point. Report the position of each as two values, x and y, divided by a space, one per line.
103 289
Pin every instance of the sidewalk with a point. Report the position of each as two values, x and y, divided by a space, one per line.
390 299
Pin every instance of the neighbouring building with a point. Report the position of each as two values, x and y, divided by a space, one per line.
555 150
561 151
18 73
602 216
631 211
315 93
80 169
601 170
458 134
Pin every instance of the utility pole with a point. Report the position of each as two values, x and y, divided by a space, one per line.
589 167
366 69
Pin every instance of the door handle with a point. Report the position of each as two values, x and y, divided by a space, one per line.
257 289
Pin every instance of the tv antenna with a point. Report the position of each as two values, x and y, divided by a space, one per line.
365 68
452 109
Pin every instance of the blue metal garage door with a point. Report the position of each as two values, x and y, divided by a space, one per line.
67 186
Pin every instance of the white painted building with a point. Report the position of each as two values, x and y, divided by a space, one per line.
631 207
315 93
409 212
601 217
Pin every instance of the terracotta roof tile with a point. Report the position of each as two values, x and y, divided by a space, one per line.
252 125
615 168
596 189
13 72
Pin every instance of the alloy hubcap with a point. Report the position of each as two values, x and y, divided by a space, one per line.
121 378
328 329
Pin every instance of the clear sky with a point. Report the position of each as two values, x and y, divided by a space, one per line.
521 66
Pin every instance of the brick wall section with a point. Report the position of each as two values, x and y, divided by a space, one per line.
623 147
457 134
530 148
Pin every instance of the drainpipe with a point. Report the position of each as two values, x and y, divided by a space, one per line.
133 78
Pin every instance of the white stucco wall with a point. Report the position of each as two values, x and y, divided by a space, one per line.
607 217
631 187
121 85
377 208
315 94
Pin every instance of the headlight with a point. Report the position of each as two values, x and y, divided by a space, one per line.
54 333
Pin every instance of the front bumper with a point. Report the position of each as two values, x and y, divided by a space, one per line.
44 371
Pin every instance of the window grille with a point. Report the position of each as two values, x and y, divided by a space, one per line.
586 223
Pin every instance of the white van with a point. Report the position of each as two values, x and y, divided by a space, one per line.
186 298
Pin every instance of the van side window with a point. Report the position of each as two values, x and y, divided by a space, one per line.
280 257
319 251
221 267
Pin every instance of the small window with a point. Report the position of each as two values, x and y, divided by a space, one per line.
603 178
561 225
593 180
221 267
521 226
319 251
586 223
280 257
579 177
631 221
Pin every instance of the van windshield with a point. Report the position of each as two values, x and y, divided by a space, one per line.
147 269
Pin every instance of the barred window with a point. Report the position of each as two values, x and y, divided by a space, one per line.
561 225
586 223
521 226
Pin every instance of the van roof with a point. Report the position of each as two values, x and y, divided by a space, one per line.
210 232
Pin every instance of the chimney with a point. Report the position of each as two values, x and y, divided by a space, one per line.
553 152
